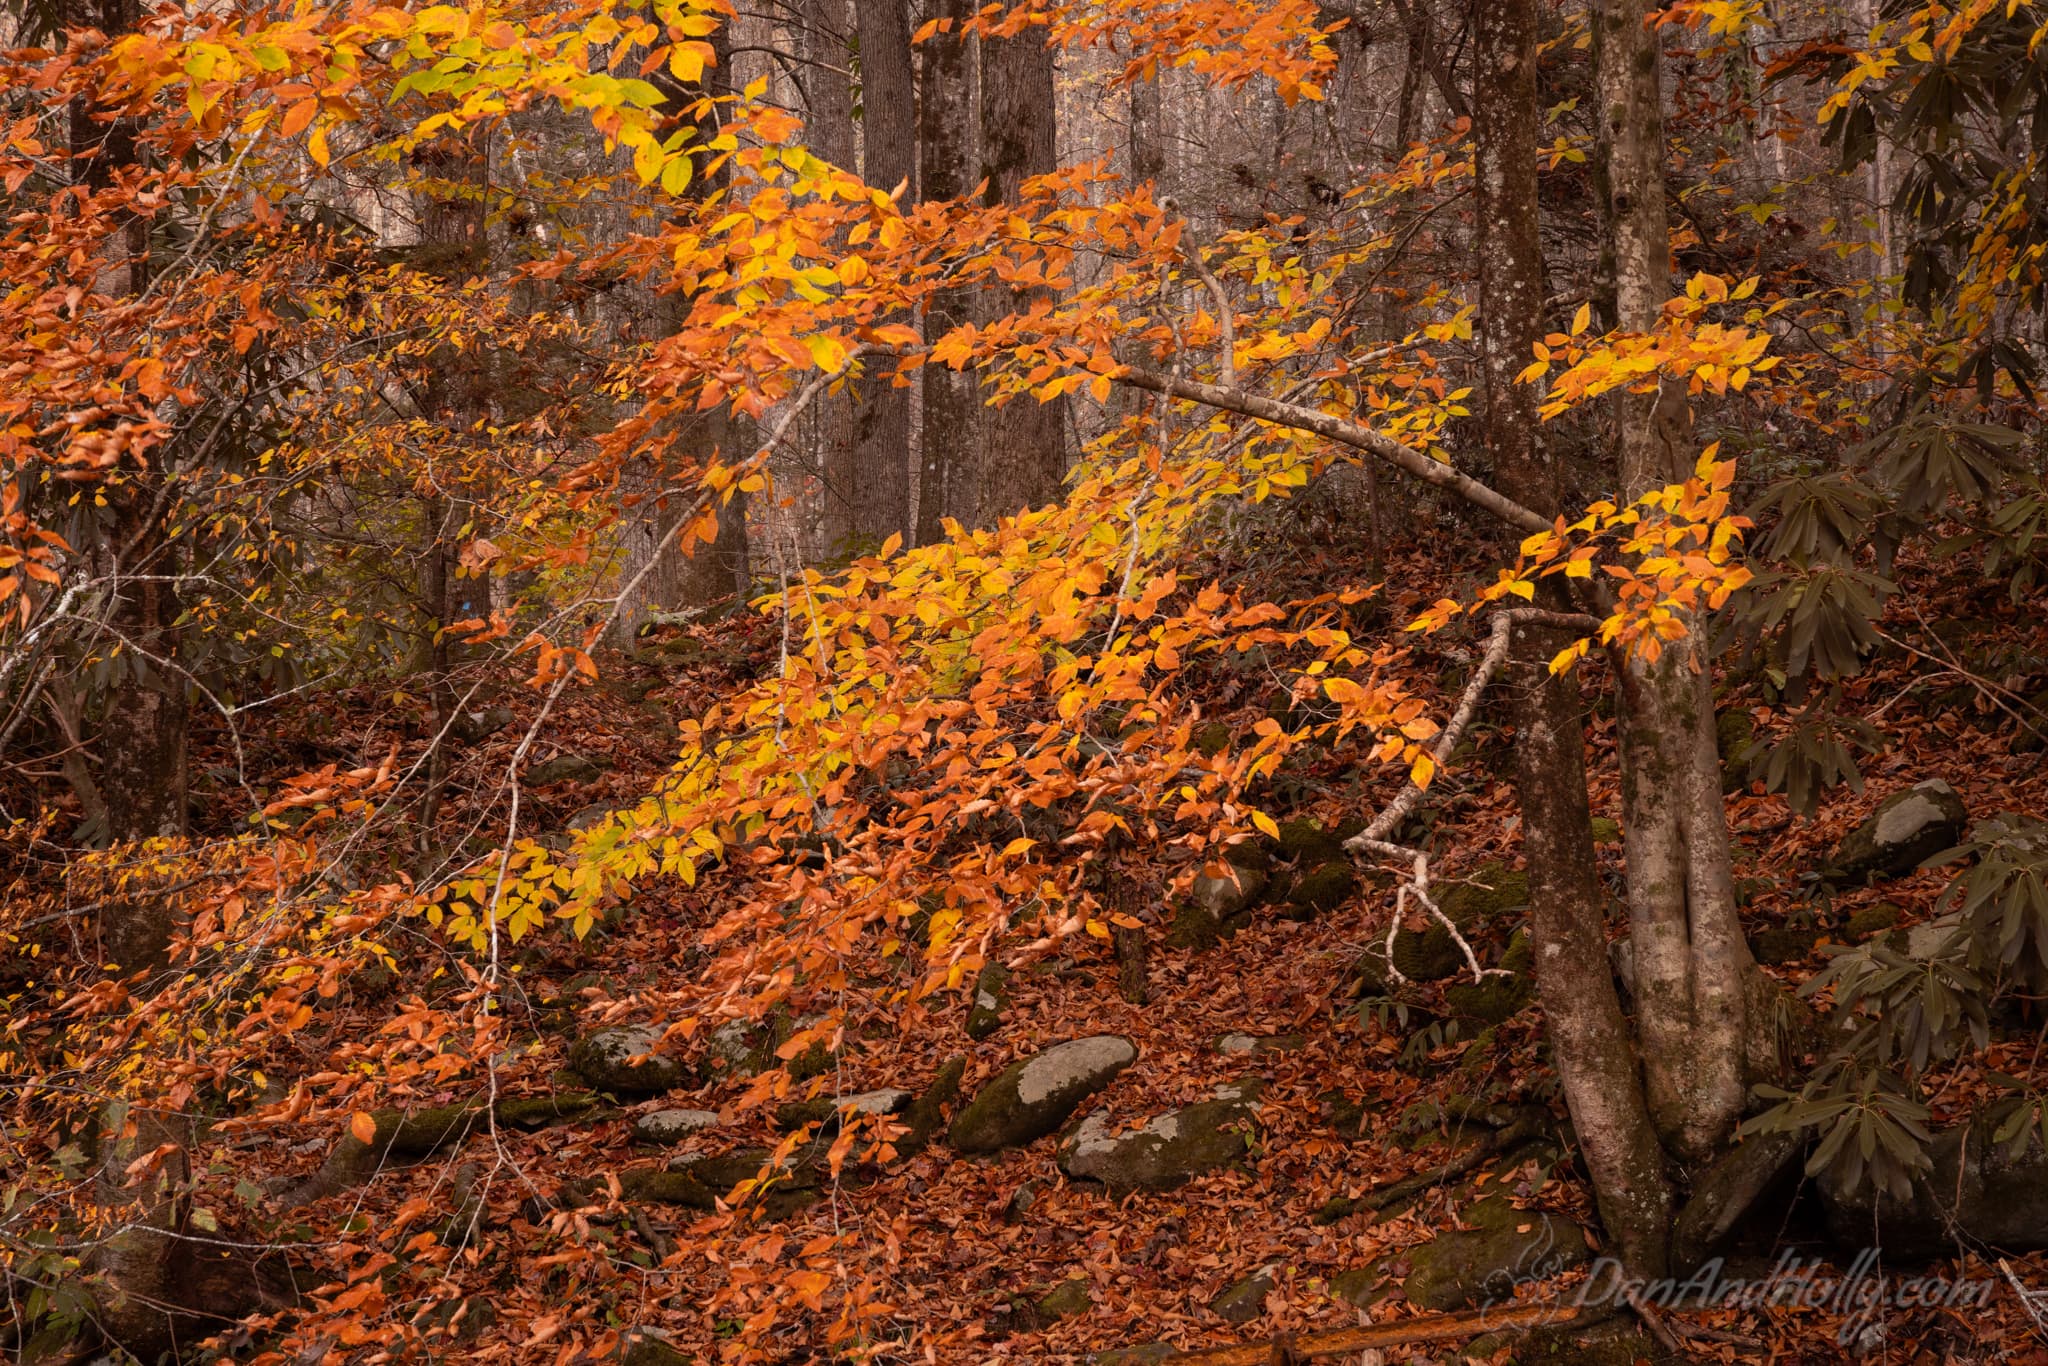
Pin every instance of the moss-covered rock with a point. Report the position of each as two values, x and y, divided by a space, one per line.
1321 889
1873 920
1034 1096
1168 1149
1361 1287
538 1112
1214 903
627 1060
829 1112
991 999
566 768
1484 1264
1734 732
1493 890
1211 738
1309 843
1066 1300
1782 944
665 1127
927 1114
651 1347
1606 830
1246 1300
1497 998
1907 828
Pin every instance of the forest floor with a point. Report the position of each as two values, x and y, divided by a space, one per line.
962 1248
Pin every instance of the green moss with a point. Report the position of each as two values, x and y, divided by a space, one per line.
1322 889
1065 1301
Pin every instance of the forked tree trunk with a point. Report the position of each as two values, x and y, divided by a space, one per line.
946 158
1594 1056
1691 959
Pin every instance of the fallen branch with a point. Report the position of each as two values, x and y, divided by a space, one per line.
1406 1332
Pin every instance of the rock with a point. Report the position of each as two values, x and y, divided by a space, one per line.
651 1347
1064 1301
1321 889
1362 1287
1872 921
1907 828
626 1060
1168 1149
1493 890
472 726
1734 731
991 999
1977 1191
1783 944
1334 1210
1246 1300
664 1127
1309 845
828 1110
538 1112
1484 1264
1213 903
1741 1179
591 815
927 1114
566 768
1606 831
793 1184
1034 1096
1211 738
1495 999
1246 1045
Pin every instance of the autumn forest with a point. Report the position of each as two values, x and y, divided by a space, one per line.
1115 681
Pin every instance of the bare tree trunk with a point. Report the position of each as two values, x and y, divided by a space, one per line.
1024 459
1592 1050
880 495
1148 146
946 156
828 130
1690 956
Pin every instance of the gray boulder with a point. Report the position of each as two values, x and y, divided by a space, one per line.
626 1060
1907 828
991 999
566 768
1214 904
1978 1191
1168 1149
663 1127
1246 1300
829 1111
1034 1096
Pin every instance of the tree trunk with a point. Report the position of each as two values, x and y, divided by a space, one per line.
828 130
946 157
880 495
1024 459
1691 959
1593 1054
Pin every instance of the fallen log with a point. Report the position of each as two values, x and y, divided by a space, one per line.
1401 1333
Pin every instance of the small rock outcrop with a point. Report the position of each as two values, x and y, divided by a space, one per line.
1907 828
1034 1096
991 999
664 1127
1214 905
1246 1300
627 1060
1978 1190
829 1111
1168 1149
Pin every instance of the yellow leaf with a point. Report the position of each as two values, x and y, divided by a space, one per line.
1582 319
1266 824
1422 770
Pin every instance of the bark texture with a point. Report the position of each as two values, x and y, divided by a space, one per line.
880 497
947 154
1594 1054
828 130
1691 959
1024 458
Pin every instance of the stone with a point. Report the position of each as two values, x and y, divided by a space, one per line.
1493 890
1246 1300
927 1114
1738 1181
626 1060
1321 889
1978 1190
1497 997
1034 1096
1734 732
1906 829
1782 944
651 1347
1872 921
1166 1150
828 1111
566 768
1308 844
991 999
1064 1301
1213 903
664 1127
1249 1045
1484 1264
1361 1287
472 726
1606 831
